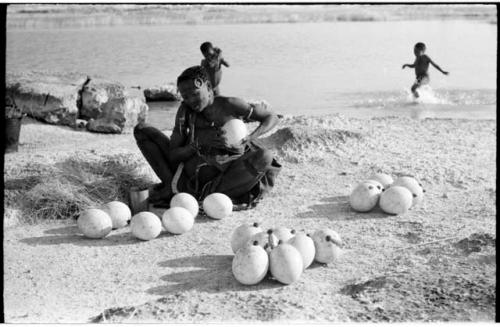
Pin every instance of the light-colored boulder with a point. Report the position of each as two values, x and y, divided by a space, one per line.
166 92
50 97
103 126
73 98
95 93
119 115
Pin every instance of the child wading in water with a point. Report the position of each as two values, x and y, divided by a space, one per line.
421 66
213 63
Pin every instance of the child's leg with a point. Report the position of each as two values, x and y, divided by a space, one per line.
414 88
421 80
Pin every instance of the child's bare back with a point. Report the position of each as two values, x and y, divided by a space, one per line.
422 65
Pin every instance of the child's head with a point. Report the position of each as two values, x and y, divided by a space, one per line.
194 87
419 48
207 49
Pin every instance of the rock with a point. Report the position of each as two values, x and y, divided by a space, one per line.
119 115
50 97
166 92
110 107
96 93
103 126
72 98
81 123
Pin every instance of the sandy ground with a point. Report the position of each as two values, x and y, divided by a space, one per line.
435 263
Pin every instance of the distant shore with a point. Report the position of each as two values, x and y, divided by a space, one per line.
90 15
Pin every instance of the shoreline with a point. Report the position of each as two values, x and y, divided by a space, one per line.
157 116
58 16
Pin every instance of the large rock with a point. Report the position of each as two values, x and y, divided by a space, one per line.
95 93
166 92
51 97
119 115
64 98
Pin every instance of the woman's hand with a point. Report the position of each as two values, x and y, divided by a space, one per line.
211 138
246 141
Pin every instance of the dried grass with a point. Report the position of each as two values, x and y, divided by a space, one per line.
55 199
81 183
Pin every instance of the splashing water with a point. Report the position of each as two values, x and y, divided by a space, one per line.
427 96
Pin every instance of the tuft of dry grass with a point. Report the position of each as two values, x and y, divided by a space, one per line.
81 183
55 199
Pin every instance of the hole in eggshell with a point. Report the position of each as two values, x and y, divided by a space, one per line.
269 231
292 231
328 238
255 224
308 235
370 187
414 195
255 242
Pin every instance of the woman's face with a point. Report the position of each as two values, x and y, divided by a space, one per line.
195 93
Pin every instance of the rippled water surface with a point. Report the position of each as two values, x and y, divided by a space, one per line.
304 68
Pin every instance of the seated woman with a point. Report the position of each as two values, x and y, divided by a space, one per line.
196 159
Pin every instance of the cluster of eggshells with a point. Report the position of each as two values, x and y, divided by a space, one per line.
393 197
281 251
145 225
98 222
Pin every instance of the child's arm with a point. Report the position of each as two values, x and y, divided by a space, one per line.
437 67
408 65
221 60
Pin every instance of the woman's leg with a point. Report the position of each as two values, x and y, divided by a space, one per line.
154 146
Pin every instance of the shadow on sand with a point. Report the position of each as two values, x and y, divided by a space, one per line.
71 235
212 274
338 208
204 219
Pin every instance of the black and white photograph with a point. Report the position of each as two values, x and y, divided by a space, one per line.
249 163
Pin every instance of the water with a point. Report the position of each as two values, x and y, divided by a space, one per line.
305 68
